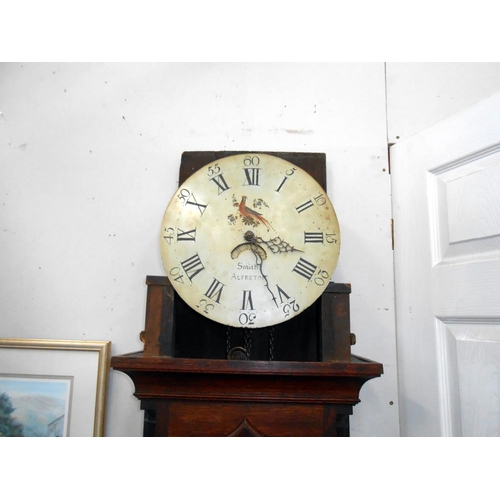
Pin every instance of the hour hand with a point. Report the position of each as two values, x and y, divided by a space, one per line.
250 245
277 245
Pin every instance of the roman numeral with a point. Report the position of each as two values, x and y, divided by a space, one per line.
221 183
247 300
214 291
310 237
192 201
281 185
282 294
189 235
251 176
319 201
305 268
304 206
192 266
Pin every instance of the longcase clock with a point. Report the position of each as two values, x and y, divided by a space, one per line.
247 333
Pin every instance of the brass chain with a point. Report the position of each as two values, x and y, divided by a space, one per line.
248 342
228 340
271 344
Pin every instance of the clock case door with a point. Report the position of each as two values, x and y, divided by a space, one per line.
320 333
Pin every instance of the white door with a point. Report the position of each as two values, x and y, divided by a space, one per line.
446 206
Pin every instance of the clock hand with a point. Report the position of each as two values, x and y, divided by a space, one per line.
251 245
259 254
257 250
255 244
277 245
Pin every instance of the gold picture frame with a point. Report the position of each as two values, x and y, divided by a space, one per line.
84 364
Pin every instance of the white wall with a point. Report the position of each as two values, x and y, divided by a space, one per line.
89 157
422 94
89 160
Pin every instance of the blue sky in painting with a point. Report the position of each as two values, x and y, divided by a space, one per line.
39 402
17 387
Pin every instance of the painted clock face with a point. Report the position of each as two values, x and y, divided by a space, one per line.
250 240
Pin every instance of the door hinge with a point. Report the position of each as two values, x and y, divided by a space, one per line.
389 156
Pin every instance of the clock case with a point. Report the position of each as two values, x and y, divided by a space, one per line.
320 333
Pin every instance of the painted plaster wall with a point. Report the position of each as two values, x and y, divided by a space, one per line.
89 157
421 94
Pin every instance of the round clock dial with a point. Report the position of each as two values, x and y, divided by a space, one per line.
250 240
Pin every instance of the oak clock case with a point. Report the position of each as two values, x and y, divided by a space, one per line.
294 376
249 242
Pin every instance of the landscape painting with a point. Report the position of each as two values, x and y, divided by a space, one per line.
34 406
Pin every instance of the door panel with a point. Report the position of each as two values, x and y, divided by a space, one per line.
472 356
446 204
464 205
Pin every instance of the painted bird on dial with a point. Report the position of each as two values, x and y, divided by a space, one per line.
252 214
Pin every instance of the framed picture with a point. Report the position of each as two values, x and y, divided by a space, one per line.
53 387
